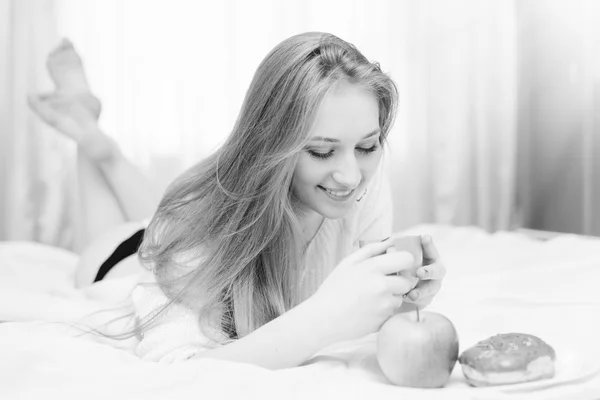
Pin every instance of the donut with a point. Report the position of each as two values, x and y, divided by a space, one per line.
508 358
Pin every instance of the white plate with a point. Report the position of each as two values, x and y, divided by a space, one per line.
573 366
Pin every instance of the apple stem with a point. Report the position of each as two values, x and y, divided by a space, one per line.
418 315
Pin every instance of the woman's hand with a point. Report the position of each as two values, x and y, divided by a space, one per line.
362 292
430 276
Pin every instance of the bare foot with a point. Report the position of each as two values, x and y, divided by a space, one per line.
68 115
66 69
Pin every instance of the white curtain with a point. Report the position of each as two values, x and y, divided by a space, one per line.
36 173
455 152
172 75
559 185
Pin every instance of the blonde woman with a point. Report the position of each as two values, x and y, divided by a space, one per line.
253 254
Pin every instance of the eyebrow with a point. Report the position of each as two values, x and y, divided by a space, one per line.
330 140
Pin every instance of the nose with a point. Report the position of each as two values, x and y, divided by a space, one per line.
347 173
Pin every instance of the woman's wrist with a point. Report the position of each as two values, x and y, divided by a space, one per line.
325 329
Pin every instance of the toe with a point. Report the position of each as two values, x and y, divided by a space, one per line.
65 44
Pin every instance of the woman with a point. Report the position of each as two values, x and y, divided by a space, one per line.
253 252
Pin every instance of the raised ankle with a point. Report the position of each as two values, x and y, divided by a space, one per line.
99 147
91 103
85 98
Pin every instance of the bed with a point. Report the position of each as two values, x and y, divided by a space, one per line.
501 282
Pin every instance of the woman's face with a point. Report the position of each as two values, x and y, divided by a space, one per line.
343 154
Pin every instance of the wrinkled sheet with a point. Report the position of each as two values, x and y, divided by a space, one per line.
502 282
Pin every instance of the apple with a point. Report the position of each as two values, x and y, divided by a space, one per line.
417 349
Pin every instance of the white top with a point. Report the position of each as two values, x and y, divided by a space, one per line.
178 335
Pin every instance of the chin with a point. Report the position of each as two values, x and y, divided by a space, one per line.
335 212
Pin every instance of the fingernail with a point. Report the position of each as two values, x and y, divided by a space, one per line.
423 273
414 295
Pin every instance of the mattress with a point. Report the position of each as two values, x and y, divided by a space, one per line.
500 282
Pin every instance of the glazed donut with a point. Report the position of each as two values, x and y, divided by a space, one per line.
508 358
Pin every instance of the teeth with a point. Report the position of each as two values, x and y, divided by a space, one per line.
339 194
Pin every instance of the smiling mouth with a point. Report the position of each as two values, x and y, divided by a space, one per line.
338 193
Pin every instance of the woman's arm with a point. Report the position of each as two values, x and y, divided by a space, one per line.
286 341
357 297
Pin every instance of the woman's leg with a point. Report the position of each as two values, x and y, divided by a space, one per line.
102 222
112 190
99 208
75 101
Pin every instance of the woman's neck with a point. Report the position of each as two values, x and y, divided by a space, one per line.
310 222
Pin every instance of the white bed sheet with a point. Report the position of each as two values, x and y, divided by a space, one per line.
496 283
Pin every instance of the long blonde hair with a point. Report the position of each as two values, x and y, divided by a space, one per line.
229 219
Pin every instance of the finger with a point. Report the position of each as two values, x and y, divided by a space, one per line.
369 251
424 290
398 300
422 302
392 263
430 252
432 271
363 243
398 285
